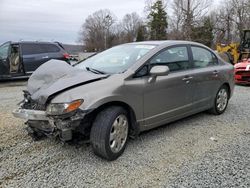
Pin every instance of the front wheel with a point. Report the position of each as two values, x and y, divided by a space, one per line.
109 133
221 101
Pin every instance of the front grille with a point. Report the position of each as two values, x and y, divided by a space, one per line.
244 78
30 104
243 73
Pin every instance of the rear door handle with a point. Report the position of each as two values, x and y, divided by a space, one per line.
45 57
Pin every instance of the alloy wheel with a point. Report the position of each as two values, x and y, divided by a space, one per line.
222 99
118 133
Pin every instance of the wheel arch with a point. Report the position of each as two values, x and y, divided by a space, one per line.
134 129
229 88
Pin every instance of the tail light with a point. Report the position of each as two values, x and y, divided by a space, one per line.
66 56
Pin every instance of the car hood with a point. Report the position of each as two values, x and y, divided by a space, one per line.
56 76
243 64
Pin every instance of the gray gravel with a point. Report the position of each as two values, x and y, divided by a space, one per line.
227 166
180 154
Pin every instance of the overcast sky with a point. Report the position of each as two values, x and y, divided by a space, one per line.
55 20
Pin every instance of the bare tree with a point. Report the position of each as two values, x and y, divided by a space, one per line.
230 20
188 13
223 23
176 21
178 14
96 30
241 15
131 23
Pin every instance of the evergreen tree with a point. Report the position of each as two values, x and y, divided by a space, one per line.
158 21
141 34
204 33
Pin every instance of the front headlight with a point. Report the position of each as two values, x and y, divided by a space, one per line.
63 108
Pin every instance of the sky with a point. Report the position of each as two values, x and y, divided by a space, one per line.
55 20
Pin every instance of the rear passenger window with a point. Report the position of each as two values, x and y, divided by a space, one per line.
50 48
29 49
203 57
175 58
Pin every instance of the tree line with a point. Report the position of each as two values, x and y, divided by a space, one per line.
194 20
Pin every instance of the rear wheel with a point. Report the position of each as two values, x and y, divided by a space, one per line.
221 101
109 133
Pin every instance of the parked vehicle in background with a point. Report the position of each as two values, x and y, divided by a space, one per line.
242 72
21 59
125 90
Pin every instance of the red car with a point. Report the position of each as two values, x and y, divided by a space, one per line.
242 72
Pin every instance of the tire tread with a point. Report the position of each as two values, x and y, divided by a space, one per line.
100 129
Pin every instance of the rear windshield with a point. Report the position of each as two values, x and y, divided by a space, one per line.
28 49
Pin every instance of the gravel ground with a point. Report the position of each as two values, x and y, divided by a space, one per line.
181 154
227 166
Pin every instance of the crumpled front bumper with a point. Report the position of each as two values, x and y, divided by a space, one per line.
36 115
39 121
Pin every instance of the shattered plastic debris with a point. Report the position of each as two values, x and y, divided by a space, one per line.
213 139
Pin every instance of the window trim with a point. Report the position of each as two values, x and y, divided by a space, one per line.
192 56
147 63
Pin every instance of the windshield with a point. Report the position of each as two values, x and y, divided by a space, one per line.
115 60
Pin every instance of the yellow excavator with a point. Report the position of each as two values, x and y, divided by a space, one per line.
236 52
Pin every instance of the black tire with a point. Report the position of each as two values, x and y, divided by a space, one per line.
215 109
101 131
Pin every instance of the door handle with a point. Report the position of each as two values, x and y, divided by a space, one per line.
187 78
215 72
45 57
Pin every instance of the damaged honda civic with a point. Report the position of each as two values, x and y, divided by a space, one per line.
123 91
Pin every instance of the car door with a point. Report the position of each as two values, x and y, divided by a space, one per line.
169 97
33 56
4 58
206 76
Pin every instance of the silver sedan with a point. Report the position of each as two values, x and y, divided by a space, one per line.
125 90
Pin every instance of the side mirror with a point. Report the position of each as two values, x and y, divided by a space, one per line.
159 70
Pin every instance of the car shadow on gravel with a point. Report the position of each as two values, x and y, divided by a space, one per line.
183 129
176 124
79 140
82 144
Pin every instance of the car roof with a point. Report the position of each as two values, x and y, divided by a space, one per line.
166 42
33 42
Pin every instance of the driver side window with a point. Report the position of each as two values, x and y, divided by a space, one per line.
176 58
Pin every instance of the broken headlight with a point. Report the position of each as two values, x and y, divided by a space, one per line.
63 108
